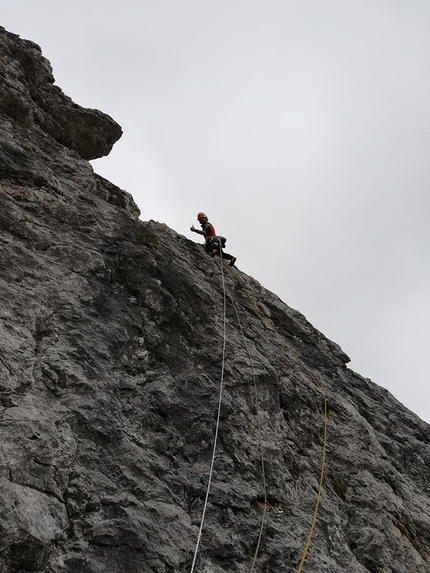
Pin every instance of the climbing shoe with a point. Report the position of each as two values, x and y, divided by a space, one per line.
233 260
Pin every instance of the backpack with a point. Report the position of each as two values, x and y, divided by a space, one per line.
219 240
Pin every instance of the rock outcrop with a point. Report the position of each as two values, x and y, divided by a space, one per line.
111 356
28 96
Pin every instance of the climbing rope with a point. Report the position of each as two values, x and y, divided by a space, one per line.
306 369
275 330
263 473
217 424
319 490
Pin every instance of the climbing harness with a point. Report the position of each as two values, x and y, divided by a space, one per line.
217 425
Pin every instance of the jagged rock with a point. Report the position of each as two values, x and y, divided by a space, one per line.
29 97
110 363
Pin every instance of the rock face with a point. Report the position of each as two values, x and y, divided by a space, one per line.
111 359
28 96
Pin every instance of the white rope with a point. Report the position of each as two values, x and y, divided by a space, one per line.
263 473
217 422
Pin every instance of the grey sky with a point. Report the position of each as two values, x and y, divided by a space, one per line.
301 127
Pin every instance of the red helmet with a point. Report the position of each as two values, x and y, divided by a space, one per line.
201 215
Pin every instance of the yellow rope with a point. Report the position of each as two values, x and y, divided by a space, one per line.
306 369
319 490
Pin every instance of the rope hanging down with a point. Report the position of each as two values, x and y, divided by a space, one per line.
275 330
319 490
217 425
272 326
315 381
263 473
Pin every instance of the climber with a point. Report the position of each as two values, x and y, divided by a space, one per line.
214 243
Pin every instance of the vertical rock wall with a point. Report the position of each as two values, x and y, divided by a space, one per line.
111 352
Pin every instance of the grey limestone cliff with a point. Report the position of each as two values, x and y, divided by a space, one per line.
111 345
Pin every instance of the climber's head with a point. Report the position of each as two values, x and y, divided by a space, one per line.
201 217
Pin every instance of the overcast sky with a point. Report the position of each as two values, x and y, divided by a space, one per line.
300 127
